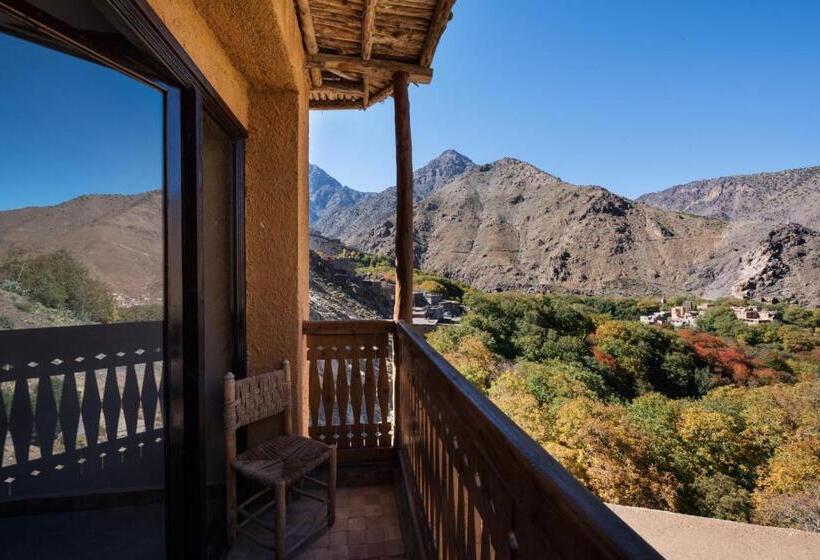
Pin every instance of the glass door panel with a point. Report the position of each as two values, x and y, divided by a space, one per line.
82 292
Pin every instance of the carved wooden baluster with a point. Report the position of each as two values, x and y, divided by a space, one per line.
356 393
314 390
383 387
330 355
342 394
21 420
69 412
45 420
131 400
370 396
149 396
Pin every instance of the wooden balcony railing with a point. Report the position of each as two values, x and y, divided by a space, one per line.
350 382
477 485
81 410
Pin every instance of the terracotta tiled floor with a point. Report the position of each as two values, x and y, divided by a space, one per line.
367 526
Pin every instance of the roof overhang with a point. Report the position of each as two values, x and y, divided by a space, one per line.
353 47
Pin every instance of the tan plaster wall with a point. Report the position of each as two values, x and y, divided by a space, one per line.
251 52
201 43
277 234
262 38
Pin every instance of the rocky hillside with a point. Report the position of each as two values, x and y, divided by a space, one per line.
510 226
328 196
751 262
337 293
353 224
791 196
118 237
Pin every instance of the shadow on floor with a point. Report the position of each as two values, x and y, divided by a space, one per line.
134 532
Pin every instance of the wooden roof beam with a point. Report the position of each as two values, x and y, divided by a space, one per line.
441 17
368 24
335 105
380 96
309 37
415 73
341 74
343 88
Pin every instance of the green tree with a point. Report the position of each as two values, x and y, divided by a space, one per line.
721 320
610 455
58 280
553 382
720 496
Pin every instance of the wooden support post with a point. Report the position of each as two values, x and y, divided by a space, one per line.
403 309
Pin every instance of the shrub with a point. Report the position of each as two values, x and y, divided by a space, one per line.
6 322
59 281
719 496
799 510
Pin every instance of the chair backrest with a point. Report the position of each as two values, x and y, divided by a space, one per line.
257 397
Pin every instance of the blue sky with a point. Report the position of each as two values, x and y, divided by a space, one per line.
632 95
70 127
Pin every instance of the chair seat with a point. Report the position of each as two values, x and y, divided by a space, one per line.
283 458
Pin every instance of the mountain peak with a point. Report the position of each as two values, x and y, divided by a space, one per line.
328 195
318 177
451 154
516 166
440 171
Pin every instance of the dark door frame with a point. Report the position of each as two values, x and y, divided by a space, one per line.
147 51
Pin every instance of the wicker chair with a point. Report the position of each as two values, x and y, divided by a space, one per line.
276 464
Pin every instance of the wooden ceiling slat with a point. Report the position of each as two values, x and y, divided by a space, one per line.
309 37
417 74
353 47
368 23
444 11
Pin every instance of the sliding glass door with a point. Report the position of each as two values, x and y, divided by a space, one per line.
89 255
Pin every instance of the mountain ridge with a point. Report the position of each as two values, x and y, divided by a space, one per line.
772 197
381 206
505 225
508 225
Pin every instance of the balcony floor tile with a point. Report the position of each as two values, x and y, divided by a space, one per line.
367 527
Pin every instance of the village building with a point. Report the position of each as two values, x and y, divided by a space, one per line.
659 318
755 315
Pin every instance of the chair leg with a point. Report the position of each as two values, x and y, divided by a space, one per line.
281 524
331 487
230 484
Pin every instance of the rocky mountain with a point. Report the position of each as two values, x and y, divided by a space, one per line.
328 196
510 226
791 196
751 262
352 224
118 237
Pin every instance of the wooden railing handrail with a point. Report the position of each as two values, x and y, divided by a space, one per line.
522 455
370 326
